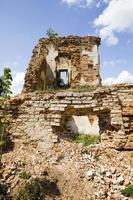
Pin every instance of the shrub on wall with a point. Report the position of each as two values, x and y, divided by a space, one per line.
51 33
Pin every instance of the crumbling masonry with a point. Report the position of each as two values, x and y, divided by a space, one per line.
76 59
42 119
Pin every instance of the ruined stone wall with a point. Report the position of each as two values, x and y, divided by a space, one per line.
40 120
78 55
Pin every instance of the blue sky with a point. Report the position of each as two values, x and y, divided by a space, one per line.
22 23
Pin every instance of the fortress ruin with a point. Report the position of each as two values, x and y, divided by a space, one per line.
58 100
62 96
64 62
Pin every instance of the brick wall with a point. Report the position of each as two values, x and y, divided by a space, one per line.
40 119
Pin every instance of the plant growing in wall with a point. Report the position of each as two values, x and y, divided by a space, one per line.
5 92
51 33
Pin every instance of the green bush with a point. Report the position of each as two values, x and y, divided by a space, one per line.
24 175
131 154
3 190
51 33
128 191
6 144
29 191
86 140
2 143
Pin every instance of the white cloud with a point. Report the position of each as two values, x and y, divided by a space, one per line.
85 3
123 77
71 2
114 63
109 63
80 3
18 81
106 1
116 17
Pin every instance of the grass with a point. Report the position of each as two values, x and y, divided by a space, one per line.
24 175
2 143
86 140
37 189
131 154
3 190
128 191
29 191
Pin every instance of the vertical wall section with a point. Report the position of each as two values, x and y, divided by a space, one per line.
78 55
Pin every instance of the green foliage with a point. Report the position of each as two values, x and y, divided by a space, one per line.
86 140
2 143
37 189
4 191
29 191
131 154
25 175
128 191
6 82
51 34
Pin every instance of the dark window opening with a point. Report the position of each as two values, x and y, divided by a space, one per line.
90 66
63 78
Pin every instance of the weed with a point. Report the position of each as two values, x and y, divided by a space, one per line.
128 191
24 175
29 191
86 140
131 154
2 143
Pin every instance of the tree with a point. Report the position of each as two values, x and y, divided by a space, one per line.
1 86
5 85
51 33
6 82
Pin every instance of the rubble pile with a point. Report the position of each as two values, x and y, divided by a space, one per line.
94 172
